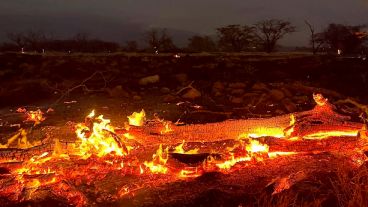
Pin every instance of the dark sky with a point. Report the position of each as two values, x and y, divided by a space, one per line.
121 20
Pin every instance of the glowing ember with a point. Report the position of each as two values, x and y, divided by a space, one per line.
180 150
189 172
99 138
319 99
278 154
289 130
137 119
22 141
326 134
102 150
167 128
264 132
240 153
157 165
32 116
256 147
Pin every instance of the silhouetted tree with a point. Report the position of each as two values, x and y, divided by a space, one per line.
349 39
235 38
131 46
316 41
166 42
159 40
17 38
36 40
269 32
32 40
201 44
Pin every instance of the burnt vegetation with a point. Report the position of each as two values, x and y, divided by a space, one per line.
262 36
207 93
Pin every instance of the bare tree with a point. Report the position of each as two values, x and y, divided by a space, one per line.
17 38
131 46
312 37
347 38
269 32
165 42
33 40
159 40
316 39
235 38
201 44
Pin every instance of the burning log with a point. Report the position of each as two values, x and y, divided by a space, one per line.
103 152
320 122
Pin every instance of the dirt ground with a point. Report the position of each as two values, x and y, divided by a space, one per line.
197 89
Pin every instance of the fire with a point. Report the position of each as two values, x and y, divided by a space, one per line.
256 147
232 161
35 116
277 154
167 128
288 131
92 114
105 150
327 134
22 141
258 132
99 139
159 160
190 172
137 119
363 133
180 150
240 153
319 99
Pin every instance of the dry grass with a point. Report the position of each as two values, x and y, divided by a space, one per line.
344 188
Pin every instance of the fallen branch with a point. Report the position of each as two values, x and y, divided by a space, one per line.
83 86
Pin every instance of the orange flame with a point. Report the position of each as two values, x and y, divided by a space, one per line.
35 116
319 99
167 128
137 119
157 165
253 150
180 150
99 140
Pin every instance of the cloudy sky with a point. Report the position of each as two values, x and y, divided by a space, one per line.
121 20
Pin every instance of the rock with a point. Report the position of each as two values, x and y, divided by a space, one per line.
237 92
149 80
260 87
182 78
302 99
277 95
279 112
250 95
191 93
137 98
286 92
217 94
117 92
236 100
289 105
165 90
237 85
169 98
218 86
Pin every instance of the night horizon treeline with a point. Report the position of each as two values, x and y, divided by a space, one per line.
261 36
